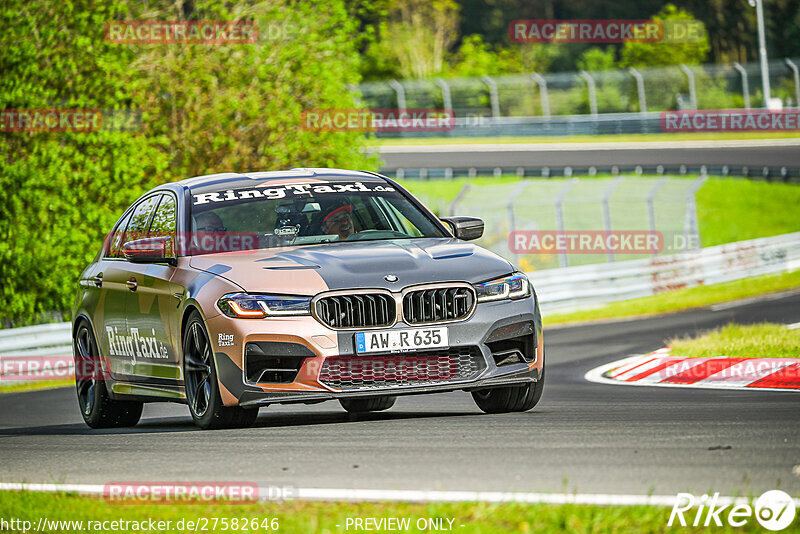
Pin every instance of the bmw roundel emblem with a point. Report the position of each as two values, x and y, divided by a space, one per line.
390 278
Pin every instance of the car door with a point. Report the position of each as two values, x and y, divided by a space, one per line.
151 305
106 282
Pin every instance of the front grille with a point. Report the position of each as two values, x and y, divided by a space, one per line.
357 310
351 373
435 305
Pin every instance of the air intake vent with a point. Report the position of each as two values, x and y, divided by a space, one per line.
357 310
273 362
438 305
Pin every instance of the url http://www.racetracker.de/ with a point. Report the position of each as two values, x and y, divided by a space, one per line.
201 524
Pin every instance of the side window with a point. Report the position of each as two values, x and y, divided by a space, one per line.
137 227
164 222
117 238
407 226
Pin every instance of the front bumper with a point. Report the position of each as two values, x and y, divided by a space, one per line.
491 323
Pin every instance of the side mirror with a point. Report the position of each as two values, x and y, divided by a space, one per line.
149 250
466 228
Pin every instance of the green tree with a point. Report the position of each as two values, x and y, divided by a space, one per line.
419 33
59 192
647 54
596 58
239 107
205 109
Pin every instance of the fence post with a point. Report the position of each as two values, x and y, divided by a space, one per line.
459 196
592 91
559 205
401 93
745 85
607 209
446 100
692 88
791 65
492 95
512 223
651 211
639 89
690 224
542 83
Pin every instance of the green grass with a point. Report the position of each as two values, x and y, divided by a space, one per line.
316 517
728 209
610 138
735 210
765 340
16 387
682 299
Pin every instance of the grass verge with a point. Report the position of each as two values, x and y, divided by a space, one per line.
317 517
728 209
16 387
765 340
682 299
610 138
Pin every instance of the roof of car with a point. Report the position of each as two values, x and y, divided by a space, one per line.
245 179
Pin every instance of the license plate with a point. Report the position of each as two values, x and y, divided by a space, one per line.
401 340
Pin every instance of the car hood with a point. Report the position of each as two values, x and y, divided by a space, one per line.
307 270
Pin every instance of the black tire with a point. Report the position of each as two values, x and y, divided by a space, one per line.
202 387
511 398
367 404
97 408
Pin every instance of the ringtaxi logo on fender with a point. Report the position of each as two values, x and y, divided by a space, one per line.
774 510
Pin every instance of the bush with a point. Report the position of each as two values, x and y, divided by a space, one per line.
205 109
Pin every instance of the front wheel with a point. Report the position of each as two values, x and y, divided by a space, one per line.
202 388
511 398
97 408
367 404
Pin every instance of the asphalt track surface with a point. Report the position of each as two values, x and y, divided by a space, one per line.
753 154
583 437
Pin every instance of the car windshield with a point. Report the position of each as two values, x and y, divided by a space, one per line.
296 213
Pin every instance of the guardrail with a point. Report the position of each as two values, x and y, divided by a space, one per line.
560 289
51 339
584 286
769 174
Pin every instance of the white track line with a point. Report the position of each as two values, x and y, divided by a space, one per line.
596 375
582 147
362 495
749 300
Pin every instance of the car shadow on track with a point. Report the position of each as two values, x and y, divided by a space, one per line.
265 421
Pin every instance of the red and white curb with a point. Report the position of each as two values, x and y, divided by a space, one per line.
661 369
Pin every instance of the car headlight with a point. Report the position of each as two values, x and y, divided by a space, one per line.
513 286
246 306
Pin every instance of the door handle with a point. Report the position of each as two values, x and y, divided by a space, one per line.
98 280
132 284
